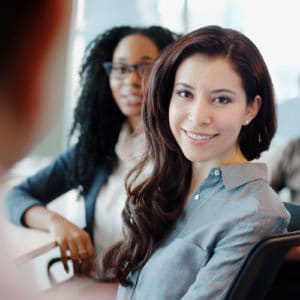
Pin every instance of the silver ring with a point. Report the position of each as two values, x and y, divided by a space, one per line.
79 261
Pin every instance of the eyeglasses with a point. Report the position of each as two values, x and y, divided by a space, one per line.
119 70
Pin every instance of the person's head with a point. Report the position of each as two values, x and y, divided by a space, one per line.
212 60
112 74
32 34
131 61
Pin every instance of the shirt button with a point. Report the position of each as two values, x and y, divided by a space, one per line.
217 172
197 197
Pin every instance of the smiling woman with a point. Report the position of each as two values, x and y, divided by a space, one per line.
207 112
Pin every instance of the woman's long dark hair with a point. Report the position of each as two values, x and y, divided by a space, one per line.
97 118
154 205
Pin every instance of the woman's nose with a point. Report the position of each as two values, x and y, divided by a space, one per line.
133 78
200 112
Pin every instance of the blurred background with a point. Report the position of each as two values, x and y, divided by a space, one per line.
272 25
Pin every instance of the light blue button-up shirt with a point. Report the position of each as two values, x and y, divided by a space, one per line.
230 211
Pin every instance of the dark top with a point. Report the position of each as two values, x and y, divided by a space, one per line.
47 185
286 172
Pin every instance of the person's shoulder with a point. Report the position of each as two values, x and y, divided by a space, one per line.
67 155
294 143
267 202
258 195
262 192
259 204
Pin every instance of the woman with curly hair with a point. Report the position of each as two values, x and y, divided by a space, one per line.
106 123
209 109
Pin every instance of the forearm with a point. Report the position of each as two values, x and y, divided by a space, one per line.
39 189
39 217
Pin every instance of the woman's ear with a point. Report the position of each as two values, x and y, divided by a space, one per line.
252 109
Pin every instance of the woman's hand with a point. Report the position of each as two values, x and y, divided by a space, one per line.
77 241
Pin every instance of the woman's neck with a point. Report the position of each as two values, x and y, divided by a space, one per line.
134 123
199 173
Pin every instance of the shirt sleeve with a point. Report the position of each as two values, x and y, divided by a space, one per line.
39 189
214 279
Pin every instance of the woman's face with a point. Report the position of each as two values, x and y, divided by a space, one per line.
208 109
138 52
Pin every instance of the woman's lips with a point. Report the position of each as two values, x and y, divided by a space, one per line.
132 99
199 138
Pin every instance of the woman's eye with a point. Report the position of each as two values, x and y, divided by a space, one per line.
184 94
119 69
221 100
122 70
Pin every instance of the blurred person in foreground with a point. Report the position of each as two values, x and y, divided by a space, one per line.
32 35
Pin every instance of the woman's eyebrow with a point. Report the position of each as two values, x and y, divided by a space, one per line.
224 90
182 84
142 58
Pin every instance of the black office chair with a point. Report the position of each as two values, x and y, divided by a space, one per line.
264 267
261 266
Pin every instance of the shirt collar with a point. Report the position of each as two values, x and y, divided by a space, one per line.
239 174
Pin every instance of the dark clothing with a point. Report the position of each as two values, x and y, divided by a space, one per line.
47 185
287 282
286 172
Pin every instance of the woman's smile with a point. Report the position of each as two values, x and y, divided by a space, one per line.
199 138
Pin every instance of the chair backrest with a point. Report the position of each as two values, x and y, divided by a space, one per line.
261 266
294 211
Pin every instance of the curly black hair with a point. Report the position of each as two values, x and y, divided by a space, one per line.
97 118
